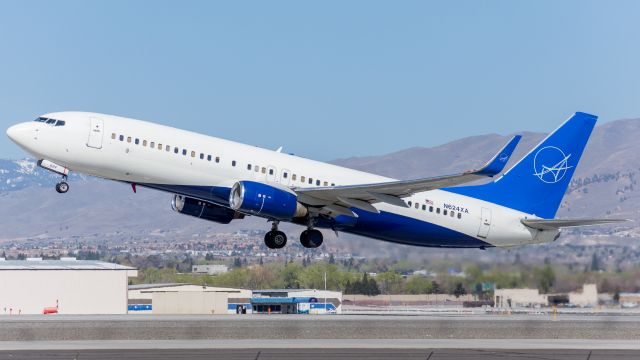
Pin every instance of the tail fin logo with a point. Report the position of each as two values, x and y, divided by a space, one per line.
550 164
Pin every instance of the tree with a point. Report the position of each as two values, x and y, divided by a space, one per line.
459 290
332 260
237 263
545 277
373 289
435 288
417 285
595 262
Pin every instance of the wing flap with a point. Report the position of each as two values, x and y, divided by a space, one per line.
555 224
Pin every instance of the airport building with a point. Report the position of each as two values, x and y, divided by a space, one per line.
66 286
296 301
210 269
511 298
188 299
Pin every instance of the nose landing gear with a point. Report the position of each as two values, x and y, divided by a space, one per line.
275 239
62 187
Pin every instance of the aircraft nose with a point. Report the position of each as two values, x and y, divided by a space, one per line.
19 133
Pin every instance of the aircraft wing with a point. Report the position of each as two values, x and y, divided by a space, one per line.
555 224
339 199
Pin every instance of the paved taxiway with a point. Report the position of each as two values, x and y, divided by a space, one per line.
320 337
278 327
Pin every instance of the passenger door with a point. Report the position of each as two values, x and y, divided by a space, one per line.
95 133
485 223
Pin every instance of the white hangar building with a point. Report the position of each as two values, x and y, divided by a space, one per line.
66 286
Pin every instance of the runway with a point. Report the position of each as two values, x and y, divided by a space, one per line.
291 327
324 349
319 337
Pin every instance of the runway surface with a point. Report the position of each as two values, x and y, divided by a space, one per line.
323 354
320 337
278 327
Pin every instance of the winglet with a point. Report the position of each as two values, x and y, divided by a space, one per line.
498 162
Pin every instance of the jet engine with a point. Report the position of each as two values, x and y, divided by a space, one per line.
256 198
204 210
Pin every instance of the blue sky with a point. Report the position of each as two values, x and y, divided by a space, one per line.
325 79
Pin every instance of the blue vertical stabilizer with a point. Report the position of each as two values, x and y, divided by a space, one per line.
537 183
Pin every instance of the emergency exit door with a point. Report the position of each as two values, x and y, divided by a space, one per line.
95 133
485 223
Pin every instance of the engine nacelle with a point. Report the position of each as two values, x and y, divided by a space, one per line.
204 210
265 200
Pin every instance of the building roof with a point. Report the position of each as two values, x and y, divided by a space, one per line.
60 265
282 290
159 285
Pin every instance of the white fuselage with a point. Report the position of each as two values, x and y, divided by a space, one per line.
144 153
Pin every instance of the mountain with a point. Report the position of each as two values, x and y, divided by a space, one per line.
605 184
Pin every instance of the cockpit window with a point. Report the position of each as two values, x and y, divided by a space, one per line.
49 121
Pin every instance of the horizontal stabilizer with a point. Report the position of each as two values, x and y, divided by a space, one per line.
554 224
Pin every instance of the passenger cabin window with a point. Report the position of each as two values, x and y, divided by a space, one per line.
459 215
264 170
113 136
452 213
152 144
430 208
437 210
325 184
137 141
317 182
293 177
270 171
310 181
333 184
121 138
184 152
257 168
208 157
444 212
217 159
193 153
129 139
409 203
144 142
248 166
201 156
233 163
302 179
417 206
176 150
424 207
284 175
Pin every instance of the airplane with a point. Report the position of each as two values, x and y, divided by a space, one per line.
220 180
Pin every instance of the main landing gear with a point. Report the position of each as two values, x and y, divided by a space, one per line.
275 239
62 187
311 238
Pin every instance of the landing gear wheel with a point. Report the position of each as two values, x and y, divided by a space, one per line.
275 239
62 187
311 238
